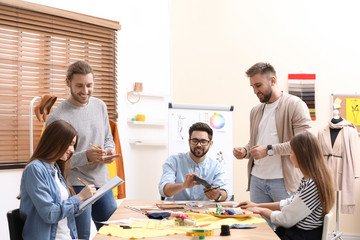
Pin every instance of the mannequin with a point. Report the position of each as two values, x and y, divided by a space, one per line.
335 131
339 142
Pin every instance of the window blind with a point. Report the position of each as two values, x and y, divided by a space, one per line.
35 50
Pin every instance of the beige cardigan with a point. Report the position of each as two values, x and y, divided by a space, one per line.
344 169
292 117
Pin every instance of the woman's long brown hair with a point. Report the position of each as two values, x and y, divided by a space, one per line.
312 163
53 144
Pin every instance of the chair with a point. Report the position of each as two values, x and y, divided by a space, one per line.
326 226
16 224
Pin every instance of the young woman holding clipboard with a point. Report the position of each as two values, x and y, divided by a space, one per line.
48 203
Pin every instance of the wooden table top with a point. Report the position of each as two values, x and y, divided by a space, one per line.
261 232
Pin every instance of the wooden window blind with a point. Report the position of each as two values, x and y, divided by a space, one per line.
35 50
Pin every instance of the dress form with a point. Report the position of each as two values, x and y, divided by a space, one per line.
335 131
333 134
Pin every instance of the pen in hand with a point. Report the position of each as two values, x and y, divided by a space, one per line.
82 182
94 146
89 163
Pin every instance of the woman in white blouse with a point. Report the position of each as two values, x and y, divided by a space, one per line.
48 203
301 216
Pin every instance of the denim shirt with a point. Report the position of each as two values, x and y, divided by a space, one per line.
40 204
177 166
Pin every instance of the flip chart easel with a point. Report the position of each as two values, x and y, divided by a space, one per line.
219 118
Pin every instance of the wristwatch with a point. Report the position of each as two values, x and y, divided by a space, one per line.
270 151
219 198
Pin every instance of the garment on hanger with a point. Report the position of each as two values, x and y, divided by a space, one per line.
342 159
116 168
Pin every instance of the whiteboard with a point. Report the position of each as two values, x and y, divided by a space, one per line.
219 118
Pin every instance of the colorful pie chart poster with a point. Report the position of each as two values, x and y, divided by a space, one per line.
216 120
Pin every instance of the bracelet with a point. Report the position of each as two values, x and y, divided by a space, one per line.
219 198
245 152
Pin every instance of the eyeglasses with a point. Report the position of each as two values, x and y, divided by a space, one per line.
203 142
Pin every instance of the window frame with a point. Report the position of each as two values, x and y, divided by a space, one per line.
37 44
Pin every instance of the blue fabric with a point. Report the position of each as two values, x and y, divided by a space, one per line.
100 211
177 166
40 204
242 226
267 191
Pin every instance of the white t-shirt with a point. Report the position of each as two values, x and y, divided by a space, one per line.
268 167
63 231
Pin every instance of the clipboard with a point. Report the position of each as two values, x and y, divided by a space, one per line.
114 182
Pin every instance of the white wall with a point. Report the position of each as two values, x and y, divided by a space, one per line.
143 56
213 43
216 41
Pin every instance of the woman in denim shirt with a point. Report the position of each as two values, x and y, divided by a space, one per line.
48 203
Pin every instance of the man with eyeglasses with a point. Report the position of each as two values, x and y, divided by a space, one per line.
177 181
280 116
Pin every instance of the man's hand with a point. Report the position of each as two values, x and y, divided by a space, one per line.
189 181
247 204
95 155
112 152
258 151
212 194
171 189
239 152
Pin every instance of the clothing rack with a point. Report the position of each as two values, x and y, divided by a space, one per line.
336 233
31 129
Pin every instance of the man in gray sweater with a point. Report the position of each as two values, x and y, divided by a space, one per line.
89 116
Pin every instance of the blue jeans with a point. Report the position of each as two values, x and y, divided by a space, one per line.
266 191
100 211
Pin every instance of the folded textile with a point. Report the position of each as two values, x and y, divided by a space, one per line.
242 226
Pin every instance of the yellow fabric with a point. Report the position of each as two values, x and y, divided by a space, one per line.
116 168
148 228
112 168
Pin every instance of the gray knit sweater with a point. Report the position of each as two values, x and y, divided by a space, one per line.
92 124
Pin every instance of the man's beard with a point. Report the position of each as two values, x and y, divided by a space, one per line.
74 96
266 97
201 155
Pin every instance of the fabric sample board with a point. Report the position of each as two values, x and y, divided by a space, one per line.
303 86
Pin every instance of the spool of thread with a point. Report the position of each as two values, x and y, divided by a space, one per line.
198 237
225 230
230 212
140 117
200 232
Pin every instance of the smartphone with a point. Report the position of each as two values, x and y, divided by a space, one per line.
202 181
108 157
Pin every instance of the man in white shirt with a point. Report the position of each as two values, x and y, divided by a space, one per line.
280 116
